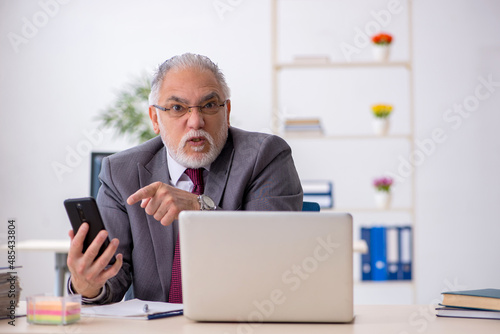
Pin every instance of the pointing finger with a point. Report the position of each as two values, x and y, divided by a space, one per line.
143 193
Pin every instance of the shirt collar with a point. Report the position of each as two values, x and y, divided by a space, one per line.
176 170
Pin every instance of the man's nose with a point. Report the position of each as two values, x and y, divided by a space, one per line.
195 120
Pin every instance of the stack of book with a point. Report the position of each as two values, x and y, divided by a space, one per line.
320 192
9 293
481 304
311 59
389 255
303 126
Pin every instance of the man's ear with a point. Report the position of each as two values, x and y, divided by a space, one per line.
228 108
154 119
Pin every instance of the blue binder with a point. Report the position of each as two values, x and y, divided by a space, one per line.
405 237
378 253
393 252
366 266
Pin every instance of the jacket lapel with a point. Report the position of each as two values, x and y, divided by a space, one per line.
163 237
219 172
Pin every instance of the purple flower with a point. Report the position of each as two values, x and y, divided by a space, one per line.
383 183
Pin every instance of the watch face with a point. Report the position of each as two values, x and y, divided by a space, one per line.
208 203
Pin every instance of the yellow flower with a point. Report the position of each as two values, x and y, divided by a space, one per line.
382 110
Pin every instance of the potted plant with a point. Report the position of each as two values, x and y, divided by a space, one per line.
381 120
128 116
383 192
381 46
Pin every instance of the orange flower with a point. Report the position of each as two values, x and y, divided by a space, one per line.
382 38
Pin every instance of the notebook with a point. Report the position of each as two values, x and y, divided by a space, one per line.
266 266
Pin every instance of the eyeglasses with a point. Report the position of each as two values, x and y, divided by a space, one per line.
179 110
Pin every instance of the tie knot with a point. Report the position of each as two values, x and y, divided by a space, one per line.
196 176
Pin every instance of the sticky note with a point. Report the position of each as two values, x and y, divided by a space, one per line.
53 310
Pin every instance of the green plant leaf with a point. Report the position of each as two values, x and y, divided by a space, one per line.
128 115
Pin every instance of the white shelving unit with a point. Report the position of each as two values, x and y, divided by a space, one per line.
366 292
358 64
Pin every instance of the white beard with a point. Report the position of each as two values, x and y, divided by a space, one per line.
180 155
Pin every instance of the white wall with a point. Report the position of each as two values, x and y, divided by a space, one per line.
456 43
53 86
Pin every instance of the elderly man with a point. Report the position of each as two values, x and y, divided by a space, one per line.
199 162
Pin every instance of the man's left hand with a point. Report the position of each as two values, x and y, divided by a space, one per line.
164 202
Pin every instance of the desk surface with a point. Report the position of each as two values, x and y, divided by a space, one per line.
56 246
372 319
62 246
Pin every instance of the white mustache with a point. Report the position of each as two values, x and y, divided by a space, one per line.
194 134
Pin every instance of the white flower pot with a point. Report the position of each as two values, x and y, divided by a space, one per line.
381 126
383 199
381 52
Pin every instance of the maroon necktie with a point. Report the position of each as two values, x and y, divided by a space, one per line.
175 293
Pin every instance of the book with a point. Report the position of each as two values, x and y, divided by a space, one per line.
316 187
10 290
303 125
303 121
483 299
318 191
455 312
311 59
324 201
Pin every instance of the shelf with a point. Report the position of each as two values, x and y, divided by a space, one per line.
343 137
304 64
402 283
363 210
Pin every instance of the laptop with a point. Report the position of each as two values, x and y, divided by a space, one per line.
243 266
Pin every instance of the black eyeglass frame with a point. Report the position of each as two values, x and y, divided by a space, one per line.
200 108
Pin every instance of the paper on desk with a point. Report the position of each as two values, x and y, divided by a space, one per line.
130 309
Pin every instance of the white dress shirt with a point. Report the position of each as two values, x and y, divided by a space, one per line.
178 178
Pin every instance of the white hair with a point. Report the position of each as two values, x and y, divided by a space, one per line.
186 60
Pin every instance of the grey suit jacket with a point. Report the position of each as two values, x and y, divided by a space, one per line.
254 171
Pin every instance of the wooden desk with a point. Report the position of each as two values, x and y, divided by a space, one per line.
370 319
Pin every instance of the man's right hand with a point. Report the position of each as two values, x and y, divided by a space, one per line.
89 274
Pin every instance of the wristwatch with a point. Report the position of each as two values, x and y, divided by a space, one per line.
206 203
